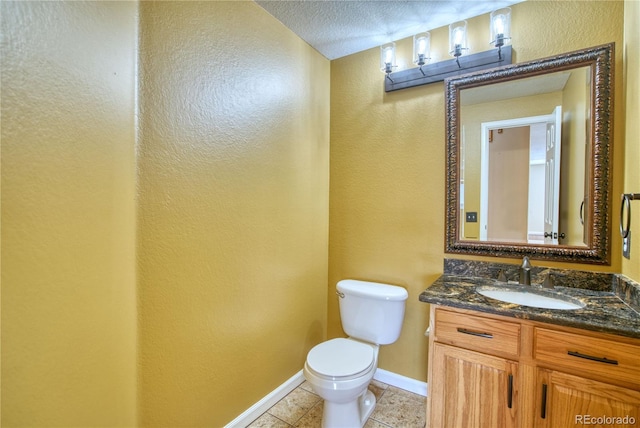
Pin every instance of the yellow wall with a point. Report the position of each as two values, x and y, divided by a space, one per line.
574 150
388 162
631 84
231 200
233 217
68 214
231 205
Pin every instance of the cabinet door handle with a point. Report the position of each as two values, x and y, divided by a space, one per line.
510 391
543 411
475 333
592 358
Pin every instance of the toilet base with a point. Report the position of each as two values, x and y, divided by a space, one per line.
353 414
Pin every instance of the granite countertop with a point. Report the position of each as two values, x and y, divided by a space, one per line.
605 310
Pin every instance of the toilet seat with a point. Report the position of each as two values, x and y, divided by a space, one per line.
340 358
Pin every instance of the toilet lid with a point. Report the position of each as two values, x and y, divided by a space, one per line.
340 357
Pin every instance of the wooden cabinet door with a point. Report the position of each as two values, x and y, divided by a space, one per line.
469 389
571 401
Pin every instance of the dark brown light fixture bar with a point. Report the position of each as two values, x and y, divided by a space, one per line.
439 71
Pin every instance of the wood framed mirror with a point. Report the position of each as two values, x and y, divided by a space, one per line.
528 159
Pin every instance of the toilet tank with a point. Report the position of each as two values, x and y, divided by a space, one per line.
371 311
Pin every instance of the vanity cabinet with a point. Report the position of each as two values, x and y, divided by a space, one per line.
566 400
465 383
494 371
474 363
594 377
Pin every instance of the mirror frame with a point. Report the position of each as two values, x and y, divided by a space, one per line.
597 209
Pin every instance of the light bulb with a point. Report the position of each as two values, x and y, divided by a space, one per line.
458 38
387 57
500 27
421 47
499 24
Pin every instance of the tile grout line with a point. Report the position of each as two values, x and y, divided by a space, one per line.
284 422
305 413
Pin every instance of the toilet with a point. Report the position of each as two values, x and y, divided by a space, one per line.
340 370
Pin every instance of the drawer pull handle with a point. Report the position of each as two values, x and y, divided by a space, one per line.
592 358
510 392
475 333
543 411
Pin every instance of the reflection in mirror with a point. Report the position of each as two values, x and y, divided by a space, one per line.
518 141
528 147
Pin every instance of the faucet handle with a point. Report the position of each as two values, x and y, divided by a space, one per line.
502 277
549 282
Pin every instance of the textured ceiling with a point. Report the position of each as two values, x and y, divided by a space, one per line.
343 27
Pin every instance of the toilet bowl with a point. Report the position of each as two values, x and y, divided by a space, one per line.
340 370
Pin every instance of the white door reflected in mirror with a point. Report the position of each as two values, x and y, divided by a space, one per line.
520 180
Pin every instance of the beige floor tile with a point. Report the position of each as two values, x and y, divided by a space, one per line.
378 388
313 418
395 408
405 393
268 421
372 423
291 408
306 386
379 384
399 408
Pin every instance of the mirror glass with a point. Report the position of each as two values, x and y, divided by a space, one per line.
528 170
517 138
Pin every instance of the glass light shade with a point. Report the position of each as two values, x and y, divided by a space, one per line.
421 48
458 38
388 57
500 27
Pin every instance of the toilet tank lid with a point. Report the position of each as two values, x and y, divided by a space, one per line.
372 289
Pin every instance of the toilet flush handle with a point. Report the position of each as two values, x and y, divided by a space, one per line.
341 295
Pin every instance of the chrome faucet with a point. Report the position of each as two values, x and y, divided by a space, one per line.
525 271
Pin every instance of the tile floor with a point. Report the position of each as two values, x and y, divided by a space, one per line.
395 408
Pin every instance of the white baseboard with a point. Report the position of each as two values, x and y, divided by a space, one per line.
384 376
254 412
402 382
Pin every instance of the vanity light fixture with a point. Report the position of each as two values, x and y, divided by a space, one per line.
458 40
500 26
421 49
388 59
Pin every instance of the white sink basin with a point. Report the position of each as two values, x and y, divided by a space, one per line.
527 296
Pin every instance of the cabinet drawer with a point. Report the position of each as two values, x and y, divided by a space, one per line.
501 338
592 357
